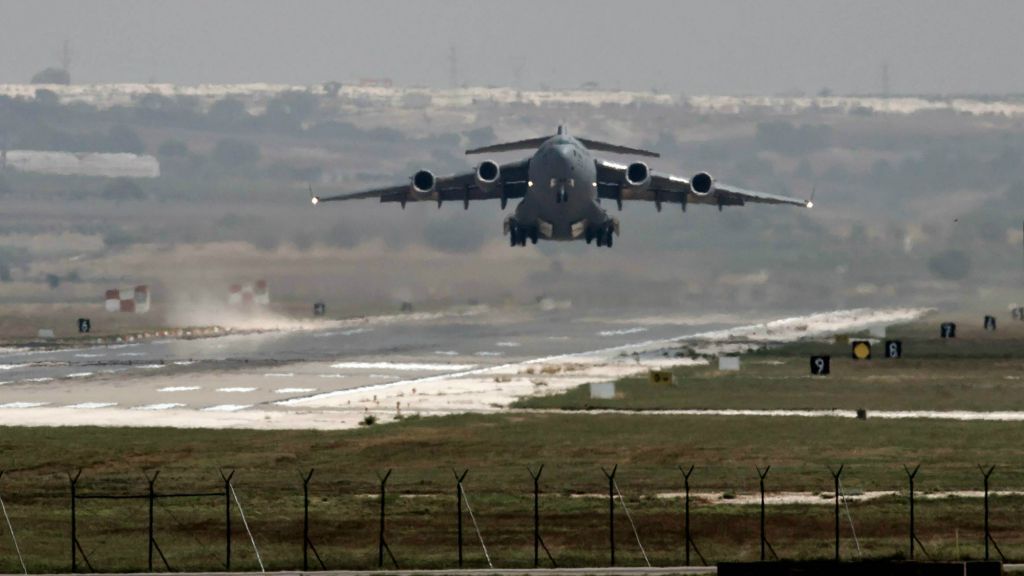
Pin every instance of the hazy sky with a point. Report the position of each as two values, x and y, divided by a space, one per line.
733 47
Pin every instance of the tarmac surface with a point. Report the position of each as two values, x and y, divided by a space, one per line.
240 372
332 374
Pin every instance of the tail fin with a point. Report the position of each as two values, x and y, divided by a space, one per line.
534 143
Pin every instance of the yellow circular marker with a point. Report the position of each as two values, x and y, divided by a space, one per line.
861 350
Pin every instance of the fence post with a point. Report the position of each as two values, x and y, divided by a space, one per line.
988 534
611 509
382 544
74 523
764 540
686 490
458 503
910 478
536 514
227 518
152 500
835 477
305 520
538 542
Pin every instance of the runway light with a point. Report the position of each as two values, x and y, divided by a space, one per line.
316 200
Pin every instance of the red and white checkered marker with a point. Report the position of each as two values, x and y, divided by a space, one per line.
134 300
249 294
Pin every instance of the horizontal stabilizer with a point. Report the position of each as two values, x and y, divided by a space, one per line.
534 143
616 149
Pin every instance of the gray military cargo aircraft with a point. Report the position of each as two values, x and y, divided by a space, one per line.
561 187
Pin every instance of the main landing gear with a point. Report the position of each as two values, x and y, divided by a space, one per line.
604 235
518 234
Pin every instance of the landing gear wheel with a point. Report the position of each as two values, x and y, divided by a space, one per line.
610 237
512 232
588 235
533 235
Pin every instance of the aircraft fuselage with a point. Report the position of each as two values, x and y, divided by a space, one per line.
561 200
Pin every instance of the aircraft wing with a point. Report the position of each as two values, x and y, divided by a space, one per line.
667 188
512 183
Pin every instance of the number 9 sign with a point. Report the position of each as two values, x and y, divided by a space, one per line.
820 365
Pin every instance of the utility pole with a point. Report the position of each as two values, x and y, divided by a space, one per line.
453 66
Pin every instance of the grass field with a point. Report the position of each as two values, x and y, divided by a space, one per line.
977 371
498 449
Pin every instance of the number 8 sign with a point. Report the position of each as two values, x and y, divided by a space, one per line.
893 349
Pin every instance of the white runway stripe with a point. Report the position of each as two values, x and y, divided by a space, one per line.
294 390
164 406
226 408
236 389
92 405
19 405
403 366
178 388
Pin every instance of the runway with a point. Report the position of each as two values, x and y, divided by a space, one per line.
331 374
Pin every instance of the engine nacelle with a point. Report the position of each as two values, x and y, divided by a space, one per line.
488 175
702 184
638 176
423 183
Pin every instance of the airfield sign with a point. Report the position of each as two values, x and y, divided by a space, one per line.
948 330
860 350
821 365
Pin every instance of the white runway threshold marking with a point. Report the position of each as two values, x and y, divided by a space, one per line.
401 366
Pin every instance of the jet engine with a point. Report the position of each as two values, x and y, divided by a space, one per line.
638 176
487 175
702 184
423 183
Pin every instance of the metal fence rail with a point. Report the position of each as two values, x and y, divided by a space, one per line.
687 543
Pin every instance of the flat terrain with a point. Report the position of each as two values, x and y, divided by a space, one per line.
980 370
498 448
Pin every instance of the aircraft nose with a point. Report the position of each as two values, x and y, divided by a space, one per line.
560 162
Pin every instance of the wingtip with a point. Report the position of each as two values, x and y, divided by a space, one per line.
315 200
